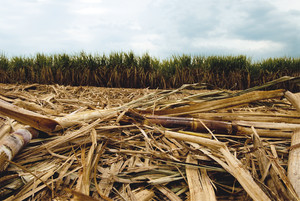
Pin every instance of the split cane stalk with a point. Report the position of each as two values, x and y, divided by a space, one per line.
294 155
232 165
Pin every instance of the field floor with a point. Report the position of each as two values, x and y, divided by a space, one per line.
55 97
143 144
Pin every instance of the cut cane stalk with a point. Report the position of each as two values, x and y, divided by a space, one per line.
11 144
27 117
222 127
193 124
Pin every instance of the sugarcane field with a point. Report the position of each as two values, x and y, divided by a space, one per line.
150 100
61 142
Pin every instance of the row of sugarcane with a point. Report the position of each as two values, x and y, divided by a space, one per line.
11 144
129 70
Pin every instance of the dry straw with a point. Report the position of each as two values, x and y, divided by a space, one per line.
125 144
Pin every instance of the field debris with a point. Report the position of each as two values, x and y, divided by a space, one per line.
89 143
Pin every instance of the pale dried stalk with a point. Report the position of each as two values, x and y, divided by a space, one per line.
207 186
107 178
85 177
46 170
223 103
69 136
279 126
49 125
294 162
144 195
34 107
294 154
241 130
199 186
251 116
233 166
78 118
243 176
294 99
165 180
191 138
168 193
274 181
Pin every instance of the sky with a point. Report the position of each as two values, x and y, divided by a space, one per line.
259 29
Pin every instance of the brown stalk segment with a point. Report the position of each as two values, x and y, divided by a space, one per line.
191 123
223 103
222 127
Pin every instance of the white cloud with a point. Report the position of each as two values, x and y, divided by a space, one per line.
238 45
145 43
135 26
90 1
90 10
78 34
285 5
160 27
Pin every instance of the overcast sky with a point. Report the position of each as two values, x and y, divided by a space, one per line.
256 28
